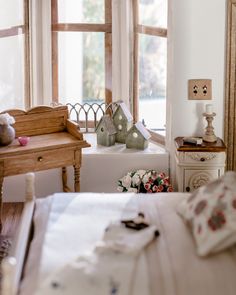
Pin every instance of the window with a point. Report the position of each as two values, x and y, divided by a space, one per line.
14 54
150 63
81 51
86 51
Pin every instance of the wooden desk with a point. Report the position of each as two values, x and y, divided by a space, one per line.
55 142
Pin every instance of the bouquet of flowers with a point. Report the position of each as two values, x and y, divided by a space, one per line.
144 181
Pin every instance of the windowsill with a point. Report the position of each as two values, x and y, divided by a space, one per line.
119 148
103 166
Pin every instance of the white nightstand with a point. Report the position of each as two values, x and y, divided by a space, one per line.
196 165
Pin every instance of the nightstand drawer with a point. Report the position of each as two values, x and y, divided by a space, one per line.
195 178
38 161
202 157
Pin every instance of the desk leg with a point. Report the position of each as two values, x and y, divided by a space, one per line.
77 177
1 189
66 189
77 170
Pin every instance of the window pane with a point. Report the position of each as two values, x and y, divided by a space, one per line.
12 72
81 11
81 67
11 13
152 81
153 13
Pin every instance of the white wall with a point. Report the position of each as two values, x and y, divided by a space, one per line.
196 50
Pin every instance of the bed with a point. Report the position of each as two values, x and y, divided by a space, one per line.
68 225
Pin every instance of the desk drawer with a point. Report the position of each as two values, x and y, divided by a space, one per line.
38 161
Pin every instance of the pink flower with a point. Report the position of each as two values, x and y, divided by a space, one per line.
147 186
155 187
217 220
170 189
150 180
200 207
160 188
166 181
162 175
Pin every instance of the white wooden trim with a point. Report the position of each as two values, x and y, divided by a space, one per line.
120 51
12 266
40 40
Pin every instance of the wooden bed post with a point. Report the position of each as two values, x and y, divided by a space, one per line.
30 187
8 270
12 265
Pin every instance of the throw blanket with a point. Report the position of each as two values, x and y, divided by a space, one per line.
77 221
110 269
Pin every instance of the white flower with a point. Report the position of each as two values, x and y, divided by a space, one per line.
141 172
146 177
6 119
126 181
136 180
120 189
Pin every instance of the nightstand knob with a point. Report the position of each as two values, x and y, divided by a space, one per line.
40 159
202 159
187 189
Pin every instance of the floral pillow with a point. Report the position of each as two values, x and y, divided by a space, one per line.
211 214
144 181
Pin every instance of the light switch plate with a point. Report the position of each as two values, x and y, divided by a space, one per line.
199 89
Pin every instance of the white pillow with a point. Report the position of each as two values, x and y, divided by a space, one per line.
211 214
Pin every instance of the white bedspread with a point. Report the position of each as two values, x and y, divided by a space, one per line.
77 221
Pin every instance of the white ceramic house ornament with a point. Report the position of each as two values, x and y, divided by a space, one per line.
106 131
137 137
123 121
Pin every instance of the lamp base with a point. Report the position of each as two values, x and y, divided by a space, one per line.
209 138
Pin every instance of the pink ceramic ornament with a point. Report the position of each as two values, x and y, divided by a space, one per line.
23 140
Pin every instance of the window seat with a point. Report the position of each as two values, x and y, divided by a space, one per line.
103 166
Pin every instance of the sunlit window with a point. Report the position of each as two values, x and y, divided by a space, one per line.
81 52
14 74
151 52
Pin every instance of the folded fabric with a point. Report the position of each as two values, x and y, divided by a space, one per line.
211 214
110 269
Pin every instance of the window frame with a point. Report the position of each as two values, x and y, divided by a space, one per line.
150 31
105 28
22 30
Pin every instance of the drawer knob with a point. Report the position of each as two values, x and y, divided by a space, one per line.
187 189
40 159
202 159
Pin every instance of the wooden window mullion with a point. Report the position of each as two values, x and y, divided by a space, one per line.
78 27
108 53
153 31
13 31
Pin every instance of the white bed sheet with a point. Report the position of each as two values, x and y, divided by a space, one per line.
73 224
173 265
